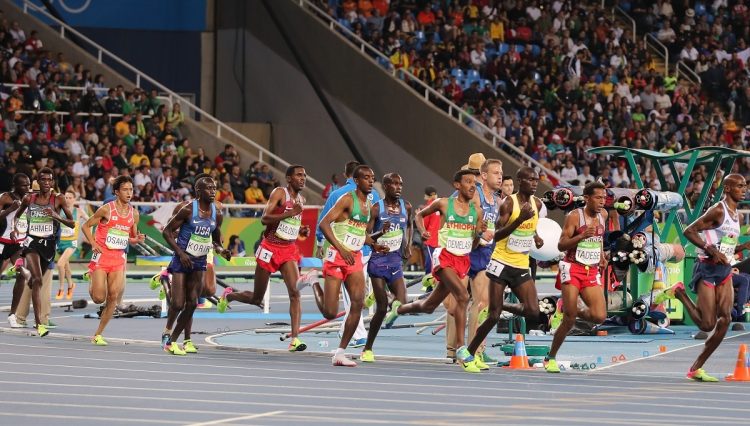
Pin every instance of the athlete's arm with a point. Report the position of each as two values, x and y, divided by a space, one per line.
374 214
344 204
100 213
502 227
8 205
60 204
276 198
603 257
216 238
438 205
170 233
24 204
406 253
709 220
480 225
182 204
135 236
567 239
538 241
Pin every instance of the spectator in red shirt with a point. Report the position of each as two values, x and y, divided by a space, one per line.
426 17
431 225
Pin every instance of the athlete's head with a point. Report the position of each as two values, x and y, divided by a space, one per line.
364 178
392 185
205 190
735 187
349 168
296 177
70 198
507 188
45 178
528 179
122 186
594 193
21 184
198 177
492 174
465 182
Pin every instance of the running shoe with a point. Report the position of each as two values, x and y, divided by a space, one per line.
470 366
42 330
555 320
370 299
668 294
162 294
175 349
488 359
71 289
551 366
464 355
700 375
165 340
297 345
367 356
51 325
221 307
13 321
155 281
204 304
342 361
358 343
312 276
59 294
392 315
482 317
479 363
98 340
428 282
189 347
87 276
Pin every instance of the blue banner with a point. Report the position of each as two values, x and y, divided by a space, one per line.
164 15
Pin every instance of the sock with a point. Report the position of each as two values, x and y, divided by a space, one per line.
167 331
339 352
547 358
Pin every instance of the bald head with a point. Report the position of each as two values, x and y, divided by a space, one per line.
525 172
733 179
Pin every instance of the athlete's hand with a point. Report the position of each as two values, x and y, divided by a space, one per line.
14 205
185 260
51 213
304 230
590 231
297 209
488 235
426 235
526 212
406 252
380 248
481 227
225 253
717 256
140 238
95 247
538 241
347 256
386 226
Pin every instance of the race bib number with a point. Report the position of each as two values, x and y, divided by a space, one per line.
43 229
354 242
330 254
521 241
727 246
263 254
436 257
117 239
564 270
23 225
198 246
458 246
74 243
288 228
589 252
495 267
66 232
95 257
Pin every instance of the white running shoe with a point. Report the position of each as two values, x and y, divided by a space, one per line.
312 276
342 361
13 321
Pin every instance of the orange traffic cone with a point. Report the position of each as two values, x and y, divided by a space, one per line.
519 360
742 369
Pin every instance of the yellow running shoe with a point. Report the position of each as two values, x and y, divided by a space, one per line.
297 345
470 366
367 356
175 349
98 340
551 366
480 363
41 329
189 347
700 375
370 299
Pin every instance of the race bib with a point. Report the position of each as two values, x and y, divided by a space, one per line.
66 232
436 257
727 246
288 228
392 240
23 224
521 241
495 267
354 240
460 246
330 254
263 254
589 252
117 239
95 257
564 271
198 246
41 229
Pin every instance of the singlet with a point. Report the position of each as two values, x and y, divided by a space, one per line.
394 236
514 249
115 233
724 237
351 233
42 226
195 234
23 226
285 232
70 234
490 213
457 234
588 252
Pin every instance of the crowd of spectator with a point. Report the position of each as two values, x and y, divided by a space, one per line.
555 78
56 114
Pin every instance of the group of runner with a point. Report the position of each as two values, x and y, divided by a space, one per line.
484 238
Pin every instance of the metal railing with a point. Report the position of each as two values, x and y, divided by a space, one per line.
454 111
683 70
101 53
618 11
659 47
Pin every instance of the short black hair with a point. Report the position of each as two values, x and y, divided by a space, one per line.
119 180
591 186
507 177
17 178
45 171
290 170
358 170
350 167
461 173
388 177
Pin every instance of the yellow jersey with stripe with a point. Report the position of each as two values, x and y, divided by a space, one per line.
514 249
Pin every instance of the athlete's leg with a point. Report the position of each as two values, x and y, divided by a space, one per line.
398 288
176 300
290 273
596 307
209 281
355 286
98 286
22 276
528 303
191 285
63 267
449 277
381 301
114 284
33 261
255 297
45 306
429 303
570 301
704 315
328 299
496 296
479 300
450 326
724 299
